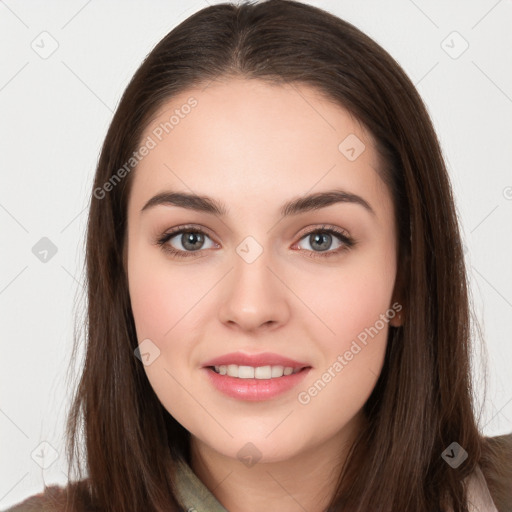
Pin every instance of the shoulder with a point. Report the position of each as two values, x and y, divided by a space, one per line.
56 498
496 466
48 500
478 494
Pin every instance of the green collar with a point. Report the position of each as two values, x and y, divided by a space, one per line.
192 493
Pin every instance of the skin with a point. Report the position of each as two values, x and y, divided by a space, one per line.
254 146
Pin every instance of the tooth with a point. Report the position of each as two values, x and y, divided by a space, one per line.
232 370
277 371
250 372
245 372
263 372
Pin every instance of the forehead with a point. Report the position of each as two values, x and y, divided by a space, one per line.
245 136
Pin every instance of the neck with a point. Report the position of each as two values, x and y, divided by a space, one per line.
307 481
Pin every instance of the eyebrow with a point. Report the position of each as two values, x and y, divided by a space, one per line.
294 207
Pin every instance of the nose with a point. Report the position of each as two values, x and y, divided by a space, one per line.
254 296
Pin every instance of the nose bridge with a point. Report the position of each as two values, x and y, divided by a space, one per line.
254 296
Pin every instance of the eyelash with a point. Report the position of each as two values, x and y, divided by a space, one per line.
346 240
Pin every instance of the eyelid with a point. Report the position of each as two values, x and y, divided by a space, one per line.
185 228
324 227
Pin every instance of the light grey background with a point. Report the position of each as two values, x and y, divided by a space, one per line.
54 115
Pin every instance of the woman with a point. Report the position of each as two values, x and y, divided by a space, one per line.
278 312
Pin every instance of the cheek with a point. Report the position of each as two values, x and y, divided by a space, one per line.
152 304
160 301
355 304
350 299
160 295
168 309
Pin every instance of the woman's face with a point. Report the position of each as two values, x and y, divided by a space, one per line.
258 281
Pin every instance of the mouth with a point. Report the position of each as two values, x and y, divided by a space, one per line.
255 383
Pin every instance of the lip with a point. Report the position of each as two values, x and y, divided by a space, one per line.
254 389
261 359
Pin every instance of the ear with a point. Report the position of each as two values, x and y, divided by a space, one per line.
399 318
397 301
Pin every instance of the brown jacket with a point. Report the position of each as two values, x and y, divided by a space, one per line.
489 487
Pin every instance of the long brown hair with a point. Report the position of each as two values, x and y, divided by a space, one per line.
422 401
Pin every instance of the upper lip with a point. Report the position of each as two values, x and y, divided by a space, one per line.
255 360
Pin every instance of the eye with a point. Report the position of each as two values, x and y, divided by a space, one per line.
321 239
188 240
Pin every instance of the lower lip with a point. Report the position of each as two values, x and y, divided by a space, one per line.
255 389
